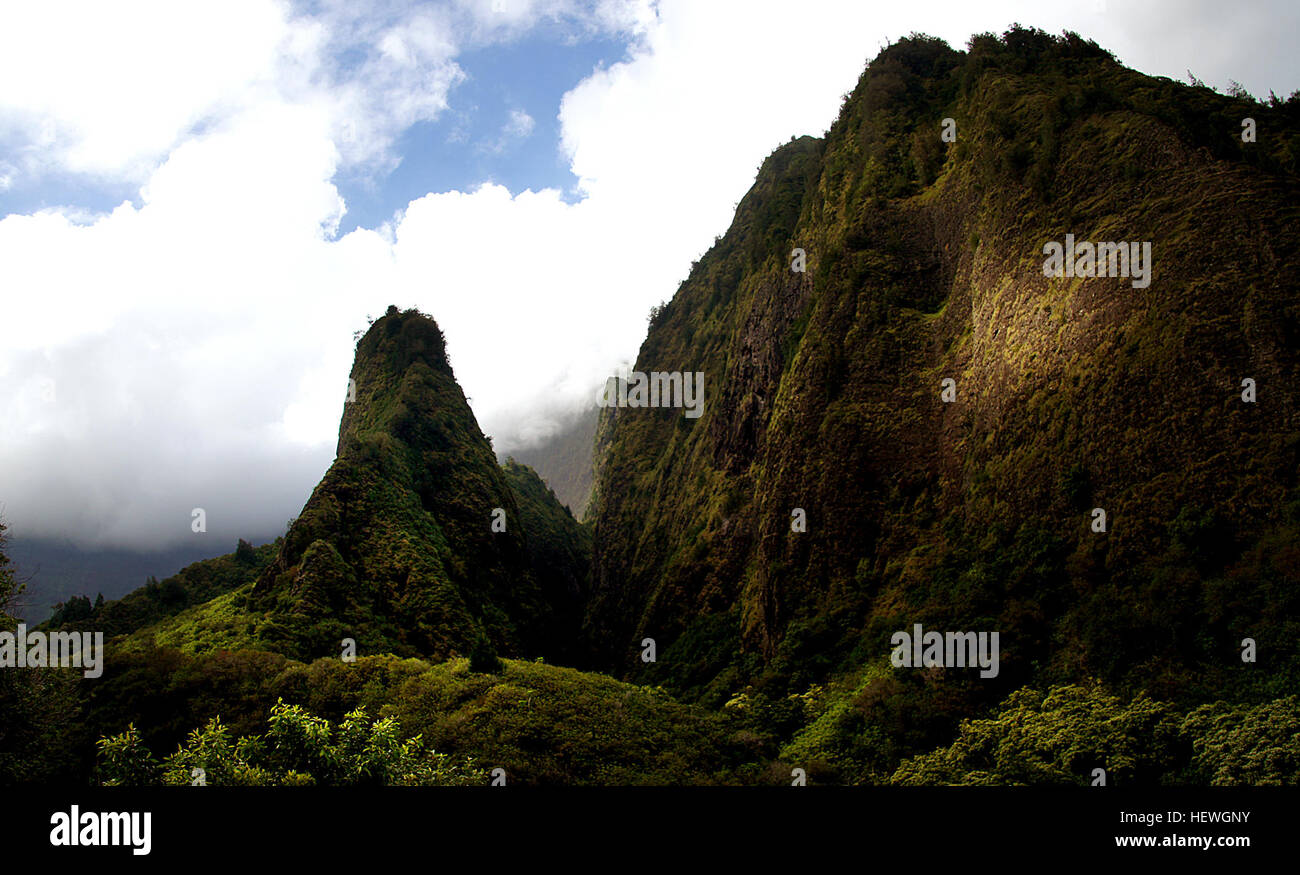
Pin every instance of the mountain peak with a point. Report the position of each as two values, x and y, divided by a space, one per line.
401 351
415 540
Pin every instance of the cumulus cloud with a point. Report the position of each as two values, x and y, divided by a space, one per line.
191 348
109 90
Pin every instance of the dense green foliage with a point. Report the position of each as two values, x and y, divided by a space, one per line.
1059 737
541 723
1245 744
297 749
546 724
1064 735
924 262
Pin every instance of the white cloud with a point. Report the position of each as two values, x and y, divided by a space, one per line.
192 350
109 88
520 124
518 127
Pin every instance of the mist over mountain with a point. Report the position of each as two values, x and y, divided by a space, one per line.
564 459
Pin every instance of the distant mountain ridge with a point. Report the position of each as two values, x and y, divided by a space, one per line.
55 571
564 459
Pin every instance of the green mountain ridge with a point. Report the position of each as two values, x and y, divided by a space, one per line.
924 262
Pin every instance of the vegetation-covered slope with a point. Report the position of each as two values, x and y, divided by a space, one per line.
924 262
415 542
541 723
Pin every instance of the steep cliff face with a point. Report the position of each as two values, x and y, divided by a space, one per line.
416 541
975 509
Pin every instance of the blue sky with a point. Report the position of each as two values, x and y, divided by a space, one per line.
478 138
500 126
29 194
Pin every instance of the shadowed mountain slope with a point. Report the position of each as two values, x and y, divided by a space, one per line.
924 262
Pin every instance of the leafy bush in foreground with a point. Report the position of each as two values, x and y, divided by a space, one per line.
298 748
